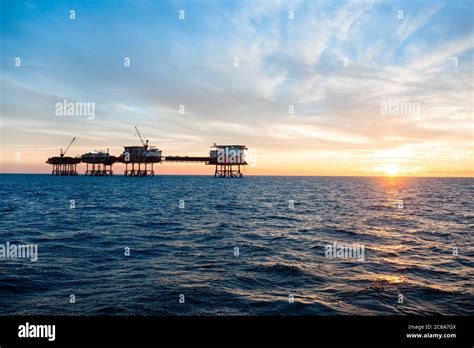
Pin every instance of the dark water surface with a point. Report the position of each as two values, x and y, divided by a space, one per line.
281 251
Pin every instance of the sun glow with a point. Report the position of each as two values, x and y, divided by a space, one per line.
388 169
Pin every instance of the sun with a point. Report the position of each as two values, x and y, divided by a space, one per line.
389 169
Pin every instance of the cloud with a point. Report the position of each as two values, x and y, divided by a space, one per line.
413 20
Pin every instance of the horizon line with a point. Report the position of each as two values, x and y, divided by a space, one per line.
277 175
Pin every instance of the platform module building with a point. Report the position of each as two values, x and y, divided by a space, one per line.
64 165
228 159
139 160
99 163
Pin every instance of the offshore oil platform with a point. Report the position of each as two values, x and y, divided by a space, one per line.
229 160
63 165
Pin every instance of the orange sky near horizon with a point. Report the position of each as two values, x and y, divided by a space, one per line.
271 164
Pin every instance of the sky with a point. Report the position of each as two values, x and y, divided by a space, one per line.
310 87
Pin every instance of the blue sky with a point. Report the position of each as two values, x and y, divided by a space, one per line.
336 62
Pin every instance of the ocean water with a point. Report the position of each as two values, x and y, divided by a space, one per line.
280 225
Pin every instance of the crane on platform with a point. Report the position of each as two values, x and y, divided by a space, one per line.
144 143
67 148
